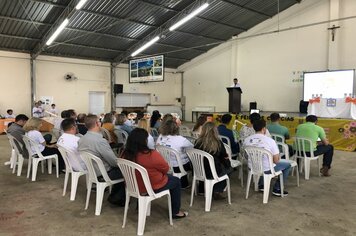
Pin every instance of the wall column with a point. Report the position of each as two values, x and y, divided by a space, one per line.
112 85
33 82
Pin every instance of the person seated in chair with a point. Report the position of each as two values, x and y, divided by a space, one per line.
16 130
209 142
259 139
94 143
69 141
275 128
248 130
120 123
136 150
80 124
224 131
9 114
314 132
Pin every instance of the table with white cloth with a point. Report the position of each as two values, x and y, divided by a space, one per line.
341 109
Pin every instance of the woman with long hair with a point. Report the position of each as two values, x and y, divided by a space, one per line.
144 124
155 121
198 125
136 150
209 142
32 128
169 137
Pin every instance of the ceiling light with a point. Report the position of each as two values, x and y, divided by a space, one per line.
57 32
80 4
188 17
146 45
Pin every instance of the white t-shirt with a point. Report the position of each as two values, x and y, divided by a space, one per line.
7 116
70 142
150 142
36 136
54 111
178 143
37 112
237 85
247 131
262 141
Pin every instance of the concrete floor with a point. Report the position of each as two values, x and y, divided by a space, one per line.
320 206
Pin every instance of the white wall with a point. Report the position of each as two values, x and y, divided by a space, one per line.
269 66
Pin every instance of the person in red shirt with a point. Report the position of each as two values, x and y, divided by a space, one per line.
136 150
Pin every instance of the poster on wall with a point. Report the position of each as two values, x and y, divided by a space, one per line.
47 100
149 69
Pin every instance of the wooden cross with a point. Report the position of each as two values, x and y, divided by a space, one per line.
333 32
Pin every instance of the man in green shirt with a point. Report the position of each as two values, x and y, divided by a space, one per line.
312 131
275 128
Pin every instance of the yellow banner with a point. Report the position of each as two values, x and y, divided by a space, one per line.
340 133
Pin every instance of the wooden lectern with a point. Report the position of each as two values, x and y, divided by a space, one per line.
234 99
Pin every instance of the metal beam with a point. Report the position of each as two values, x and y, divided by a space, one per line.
112 85
247 8
33 82
68 11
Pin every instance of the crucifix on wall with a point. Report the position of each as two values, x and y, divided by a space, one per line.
333 32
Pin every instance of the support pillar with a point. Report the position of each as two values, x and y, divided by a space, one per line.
112 85
33 82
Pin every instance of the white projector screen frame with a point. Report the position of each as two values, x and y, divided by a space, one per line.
331 84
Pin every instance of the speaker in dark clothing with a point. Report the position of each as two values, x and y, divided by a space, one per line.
253 105
303 107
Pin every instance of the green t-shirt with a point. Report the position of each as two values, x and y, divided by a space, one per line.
276 128
311 131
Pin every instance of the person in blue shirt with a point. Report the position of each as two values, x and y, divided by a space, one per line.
224 131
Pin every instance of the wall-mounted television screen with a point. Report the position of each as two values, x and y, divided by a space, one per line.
149 69
330 84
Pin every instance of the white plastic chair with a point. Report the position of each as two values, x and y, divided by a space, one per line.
66 154
255 157
169 154
190 139
293 163
300 152
226 140
129 170
235 163
278 138
122 136
30 145
89 160
18 158
197 158
12 160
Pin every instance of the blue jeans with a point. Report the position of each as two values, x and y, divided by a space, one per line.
282 165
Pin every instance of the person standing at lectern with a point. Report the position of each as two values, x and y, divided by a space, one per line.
236 83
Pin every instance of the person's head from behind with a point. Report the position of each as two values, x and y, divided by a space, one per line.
37 104
311 118
108 118
209 137
21 119
144 124
155 117
167 117
254 117
170 127
81 118
33 124
226 118
69 126
71 114
260 126
136 143
64 114
200 121
92 123
120 119
53 106
9 111
275 117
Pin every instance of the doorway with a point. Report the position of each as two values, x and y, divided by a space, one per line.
96 102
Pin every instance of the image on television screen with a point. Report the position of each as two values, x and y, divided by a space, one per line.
147 69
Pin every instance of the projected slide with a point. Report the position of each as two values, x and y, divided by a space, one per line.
331 84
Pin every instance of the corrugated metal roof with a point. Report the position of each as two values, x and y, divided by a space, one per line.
107 29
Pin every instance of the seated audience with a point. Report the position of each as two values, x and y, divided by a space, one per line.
136 150
224 131
53 109
312 131
80 123
144 124
37 110
259 139
155 121
94 143
16 130
275 128
32 128
9 114
199 124
209 142
109 126
169 137
120 123
247 130
69 141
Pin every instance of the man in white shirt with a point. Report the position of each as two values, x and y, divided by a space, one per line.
53 110
37 110
259 139
10 114
236 83
69 141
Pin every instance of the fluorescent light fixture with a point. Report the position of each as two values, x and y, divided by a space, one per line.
57 32
188 17
80 4
146 45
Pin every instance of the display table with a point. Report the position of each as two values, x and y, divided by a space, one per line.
343 108
4 123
